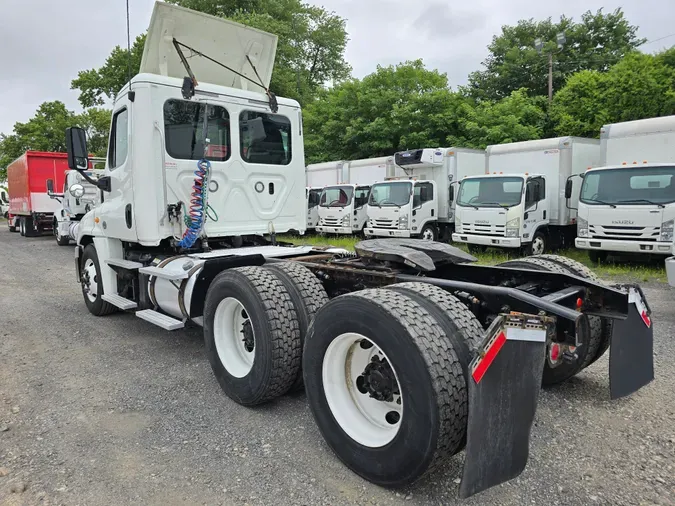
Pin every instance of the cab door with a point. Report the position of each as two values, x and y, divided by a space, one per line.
536 205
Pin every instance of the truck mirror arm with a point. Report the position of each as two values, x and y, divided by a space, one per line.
103 183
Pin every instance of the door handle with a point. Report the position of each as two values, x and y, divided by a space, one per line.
127 215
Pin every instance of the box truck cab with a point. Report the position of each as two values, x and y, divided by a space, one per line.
429 211
342 209
313 196
520 201
4 202
346 186
628 205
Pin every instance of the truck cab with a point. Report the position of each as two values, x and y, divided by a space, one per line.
78 198
403 208
501 211
627 209
4 202
313 196
342 209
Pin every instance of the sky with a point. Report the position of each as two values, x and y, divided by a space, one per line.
46 42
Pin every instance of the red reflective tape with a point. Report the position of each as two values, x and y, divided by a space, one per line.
489 357
646 319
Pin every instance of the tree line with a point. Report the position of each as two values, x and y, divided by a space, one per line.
599 77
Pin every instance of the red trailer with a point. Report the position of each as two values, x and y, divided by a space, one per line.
31 210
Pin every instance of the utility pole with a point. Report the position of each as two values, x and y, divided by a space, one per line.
539 46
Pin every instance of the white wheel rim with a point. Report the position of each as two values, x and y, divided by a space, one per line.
90 280
428 234
235 354
538 246
366 420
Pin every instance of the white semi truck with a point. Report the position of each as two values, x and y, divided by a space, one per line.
421 203
408 352
520 201
78 197
627 206
342 206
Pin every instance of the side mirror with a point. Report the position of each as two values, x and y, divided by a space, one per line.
77 191
76 146
452 193
50 187
568 188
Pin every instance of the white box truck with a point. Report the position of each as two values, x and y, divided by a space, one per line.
4 201
628 205
342 207
520 201
421 202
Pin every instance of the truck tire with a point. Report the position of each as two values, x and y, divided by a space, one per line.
29 227
429 232
538 246
12 228
307 295
92 288
22 226
60 240
579 269
587 350
365 352
252 335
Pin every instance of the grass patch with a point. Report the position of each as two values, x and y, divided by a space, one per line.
629 269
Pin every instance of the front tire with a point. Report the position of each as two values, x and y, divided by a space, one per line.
538 246
385 386
429 232
22 226
92 283
252 335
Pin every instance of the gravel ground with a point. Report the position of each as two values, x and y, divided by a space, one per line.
113 410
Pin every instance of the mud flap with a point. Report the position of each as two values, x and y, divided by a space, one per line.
503 392
631 353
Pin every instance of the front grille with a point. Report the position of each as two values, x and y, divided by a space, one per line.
483 229
331 222
624 233
385 224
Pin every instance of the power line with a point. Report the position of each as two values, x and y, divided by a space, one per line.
656 40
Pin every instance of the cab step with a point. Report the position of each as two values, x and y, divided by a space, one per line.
125 264
119 301
159 319
163 273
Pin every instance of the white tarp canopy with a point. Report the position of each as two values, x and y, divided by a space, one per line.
225 41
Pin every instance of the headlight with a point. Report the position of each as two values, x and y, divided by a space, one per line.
345 221
403 222
513 227
667 231
582 227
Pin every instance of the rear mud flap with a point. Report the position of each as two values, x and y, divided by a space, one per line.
631 353
503 393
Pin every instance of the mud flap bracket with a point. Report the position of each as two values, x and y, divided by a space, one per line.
504 385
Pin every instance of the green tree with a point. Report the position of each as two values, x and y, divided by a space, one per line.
515 118
639 86
46 131
378 115
310 49
595 43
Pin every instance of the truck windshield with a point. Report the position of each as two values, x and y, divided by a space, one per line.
336 196
313 198
390 194
629 186
490 192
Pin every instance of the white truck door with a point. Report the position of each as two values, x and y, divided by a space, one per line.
536 213
120 200
424 205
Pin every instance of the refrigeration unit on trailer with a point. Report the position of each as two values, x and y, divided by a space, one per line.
342 207
628 205
520 201
420 203
78 197
408 351
31 210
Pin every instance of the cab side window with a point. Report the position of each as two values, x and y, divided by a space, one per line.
265 138
535 191
119 139
424 192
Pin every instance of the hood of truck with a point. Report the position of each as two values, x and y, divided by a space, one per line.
387 213
482 215
227 42
625 221
334 213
